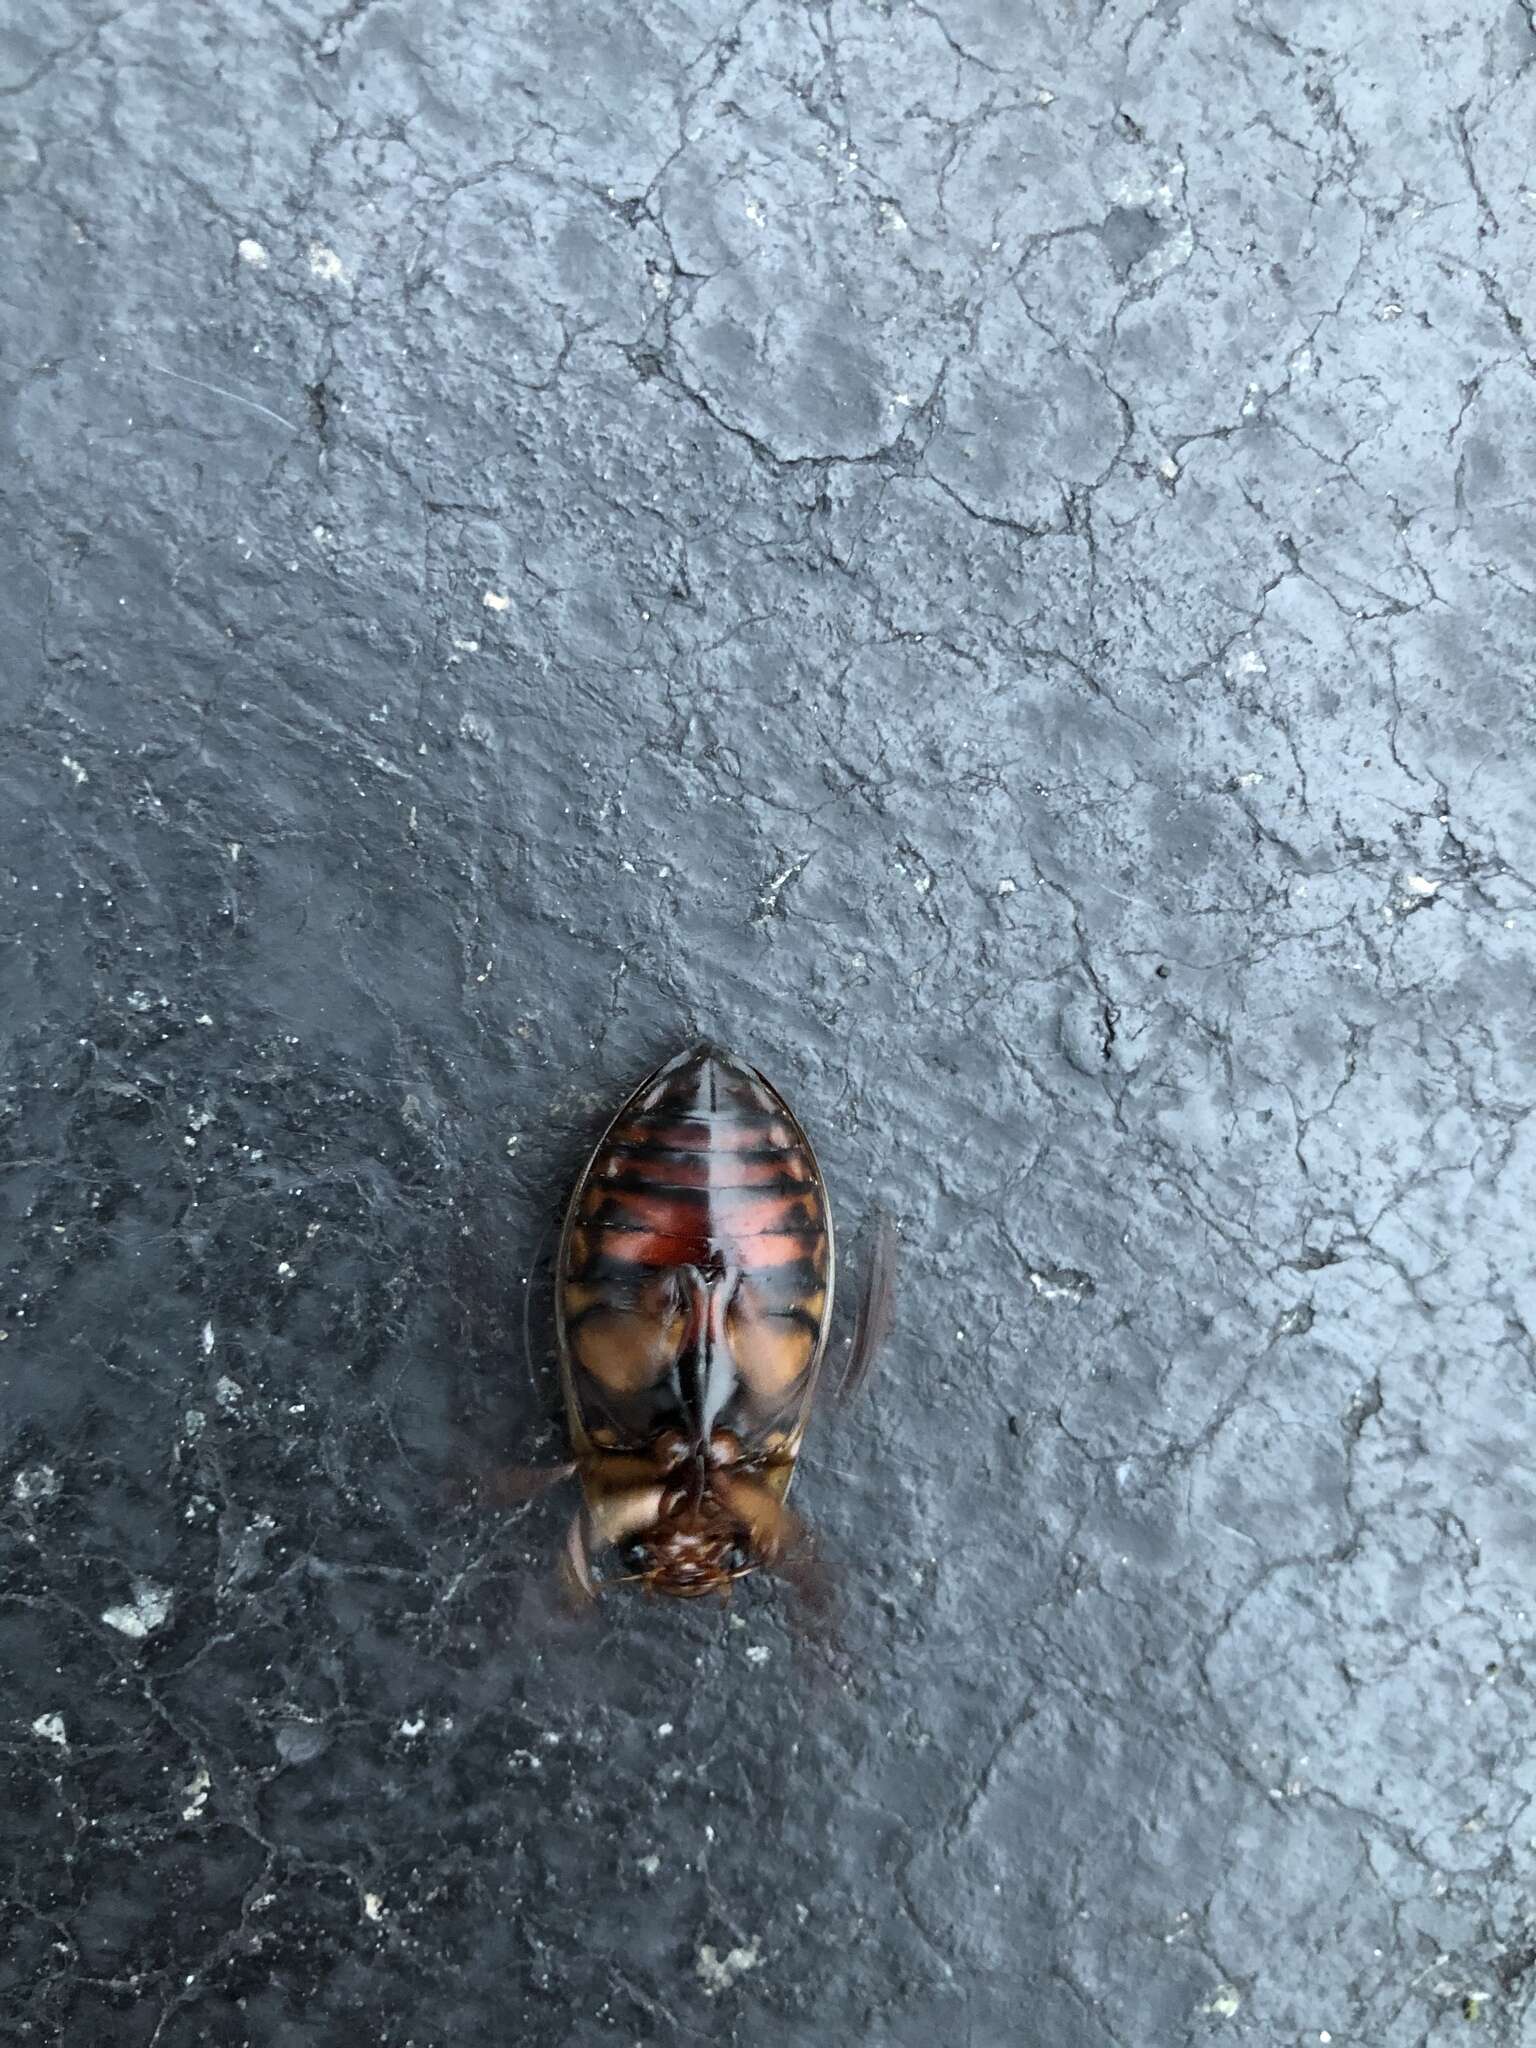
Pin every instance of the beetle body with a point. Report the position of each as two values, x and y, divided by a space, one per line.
693 1298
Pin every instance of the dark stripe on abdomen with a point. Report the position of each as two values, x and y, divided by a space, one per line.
626 1177
733 1212
685 1182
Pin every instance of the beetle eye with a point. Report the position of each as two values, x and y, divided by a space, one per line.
737 1558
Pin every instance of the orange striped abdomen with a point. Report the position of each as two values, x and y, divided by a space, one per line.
704 1182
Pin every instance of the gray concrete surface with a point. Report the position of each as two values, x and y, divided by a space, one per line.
982 554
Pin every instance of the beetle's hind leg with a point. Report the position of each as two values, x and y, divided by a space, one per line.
626 1501
576 1563
775 1530
544 1382
506 1486
876 1311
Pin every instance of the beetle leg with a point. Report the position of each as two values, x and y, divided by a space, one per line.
808 1579
877 1306
624 1512
510 1485
576 1562
785 1547
598 1527
541 1390
507 1486
772 1526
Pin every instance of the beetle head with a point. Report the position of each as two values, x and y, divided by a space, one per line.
696 1546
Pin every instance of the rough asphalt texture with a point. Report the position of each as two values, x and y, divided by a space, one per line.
980 554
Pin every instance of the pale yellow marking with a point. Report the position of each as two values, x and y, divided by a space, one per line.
770 1356
626 1350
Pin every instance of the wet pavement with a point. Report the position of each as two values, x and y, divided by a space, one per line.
980 556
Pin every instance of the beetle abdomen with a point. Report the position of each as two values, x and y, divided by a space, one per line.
706 1169
704 1180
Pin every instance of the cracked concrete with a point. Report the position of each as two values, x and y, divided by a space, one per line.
981 554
